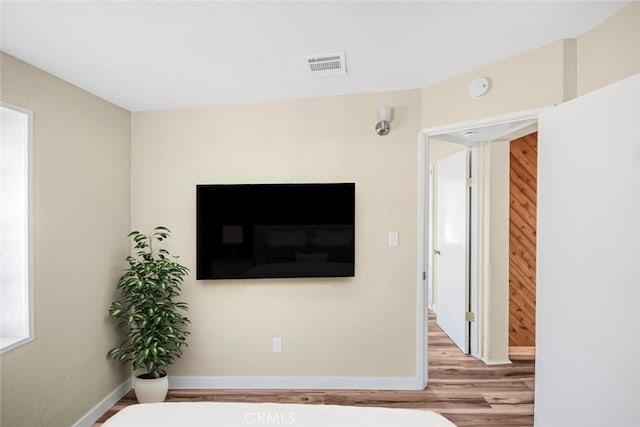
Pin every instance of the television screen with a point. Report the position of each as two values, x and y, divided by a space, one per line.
275 230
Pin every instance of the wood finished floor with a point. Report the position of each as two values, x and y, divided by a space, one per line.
461 388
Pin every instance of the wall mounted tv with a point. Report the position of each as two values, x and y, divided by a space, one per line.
275 230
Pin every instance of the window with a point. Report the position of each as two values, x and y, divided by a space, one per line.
15 228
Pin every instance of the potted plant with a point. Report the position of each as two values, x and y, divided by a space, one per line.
147 311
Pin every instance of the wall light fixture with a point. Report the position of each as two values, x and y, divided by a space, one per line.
384 117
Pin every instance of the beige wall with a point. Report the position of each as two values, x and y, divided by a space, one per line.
347 327
81 150
531 80
542 77
610 51
217 146
496 169
438 150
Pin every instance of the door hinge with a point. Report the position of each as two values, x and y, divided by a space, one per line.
469 316
424 275
469 182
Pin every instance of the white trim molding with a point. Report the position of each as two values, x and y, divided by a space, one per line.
105 404
309 383
492 362
9 343
486 121
421 295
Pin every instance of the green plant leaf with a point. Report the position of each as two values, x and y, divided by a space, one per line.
146 309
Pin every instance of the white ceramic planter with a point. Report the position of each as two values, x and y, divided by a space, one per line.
151 390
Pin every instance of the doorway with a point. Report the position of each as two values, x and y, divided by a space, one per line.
488 142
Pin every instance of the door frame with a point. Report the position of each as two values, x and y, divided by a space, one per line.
477 262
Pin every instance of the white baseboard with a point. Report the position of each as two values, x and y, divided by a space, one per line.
490 362
105 404
309 383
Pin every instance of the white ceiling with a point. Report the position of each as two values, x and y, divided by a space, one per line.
147 55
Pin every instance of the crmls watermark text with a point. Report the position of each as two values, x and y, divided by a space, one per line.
270 418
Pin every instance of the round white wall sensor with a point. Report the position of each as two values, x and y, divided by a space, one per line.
478 87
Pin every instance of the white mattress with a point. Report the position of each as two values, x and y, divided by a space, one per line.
224 414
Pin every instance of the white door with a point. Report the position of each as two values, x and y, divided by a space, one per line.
588 290
452 247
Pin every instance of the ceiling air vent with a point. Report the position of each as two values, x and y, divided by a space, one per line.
328 64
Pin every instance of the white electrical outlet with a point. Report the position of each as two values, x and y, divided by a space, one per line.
393 238
276 344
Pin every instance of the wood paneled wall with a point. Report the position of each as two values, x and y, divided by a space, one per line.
523 178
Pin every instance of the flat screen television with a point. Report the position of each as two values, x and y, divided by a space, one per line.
247 231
